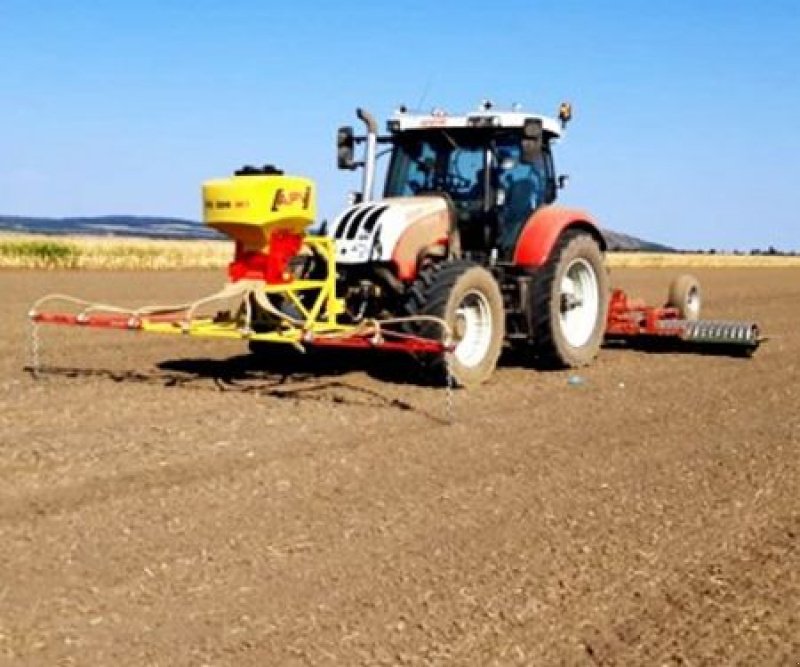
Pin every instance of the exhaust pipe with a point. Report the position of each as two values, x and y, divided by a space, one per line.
370 153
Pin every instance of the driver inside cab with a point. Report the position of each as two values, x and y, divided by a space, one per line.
519 194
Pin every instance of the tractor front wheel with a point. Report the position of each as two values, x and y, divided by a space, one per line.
467 297
570 303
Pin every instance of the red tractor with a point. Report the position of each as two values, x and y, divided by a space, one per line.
468 230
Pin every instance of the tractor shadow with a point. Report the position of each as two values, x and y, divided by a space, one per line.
655 345
318 376
675 346
279 371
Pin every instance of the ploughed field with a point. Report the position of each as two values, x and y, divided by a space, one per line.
166 501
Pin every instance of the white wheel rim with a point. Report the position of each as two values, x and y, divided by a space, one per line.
693 301
474 323
579 302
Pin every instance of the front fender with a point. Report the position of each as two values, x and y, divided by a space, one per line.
544 227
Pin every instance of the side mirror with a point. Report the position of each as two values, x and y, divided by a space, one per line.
345 145
565 113
562 181
531 144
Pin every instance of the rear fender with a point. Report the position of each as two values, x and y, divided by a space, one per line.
544 227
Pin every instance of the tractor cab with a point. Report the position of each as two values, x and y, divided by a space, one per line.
493 168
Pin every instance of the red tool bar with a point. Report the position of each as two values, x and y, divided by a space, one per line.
99 321
418 345
131 323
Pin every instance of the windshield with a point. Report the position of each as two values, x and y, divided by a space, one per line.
457 163
432 163
454 163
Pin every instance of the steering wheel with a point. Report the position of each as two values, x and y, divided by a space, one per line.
451 182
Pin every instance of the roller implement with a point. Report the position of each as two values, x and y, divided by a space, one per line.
464 254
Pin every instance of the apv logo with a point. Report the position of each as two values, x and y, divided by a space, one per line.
291 198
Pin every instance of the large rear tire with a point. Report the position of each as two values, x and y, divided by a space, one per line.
570 303
468 298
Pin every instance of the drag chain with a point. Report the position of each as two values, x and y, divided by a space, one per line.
35 349
448 389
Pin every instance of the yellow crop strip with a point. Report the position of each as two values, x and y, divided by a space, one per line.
36 251
651 260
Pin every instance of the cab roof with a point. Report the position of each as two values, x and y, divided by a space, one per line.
403 121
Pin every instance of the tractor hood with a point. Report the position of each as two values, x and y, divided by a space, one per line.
394 229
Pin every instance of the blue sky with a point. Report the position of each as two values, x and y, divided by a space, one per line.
687 114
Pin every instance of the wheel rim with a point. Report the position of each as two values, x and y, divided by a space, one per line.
579 302
473 329
693 301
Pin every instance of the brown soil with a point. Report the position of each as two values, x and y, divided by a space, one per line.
166 501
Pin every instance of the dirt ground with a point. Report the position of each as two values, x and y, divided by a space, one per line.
166 501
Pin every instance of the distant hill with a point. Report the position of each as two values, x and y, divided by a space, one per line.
177 228
111 225
618 241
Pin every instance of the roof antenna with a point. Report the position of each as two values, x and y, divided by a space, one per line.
424 95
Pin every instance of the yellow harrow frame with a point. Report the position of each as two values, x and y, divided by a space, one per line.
315 321
321 317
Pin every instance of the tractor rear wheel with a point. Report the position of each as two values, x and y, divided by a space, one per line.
467 297
570 303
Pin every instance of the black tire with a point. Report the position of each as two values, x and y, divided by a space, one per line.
468 298
264 322
685 295
556 343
